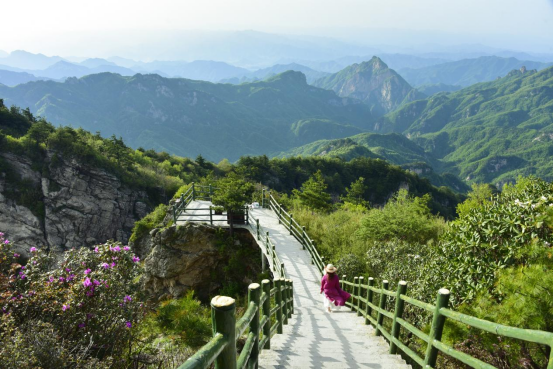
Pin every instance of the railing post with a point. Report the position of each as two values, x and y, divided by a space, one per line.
263 262
279 213
383 298
292 296
278 301
210 192
438 321
224 322
360 282
355 293
290 224
368 309
193 192
254 295
342 284
303 238
284 299
398 313
289 287
210 215
266 286
263 198
257 227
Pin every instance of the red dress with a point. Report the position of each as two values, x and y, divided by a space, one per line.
332 290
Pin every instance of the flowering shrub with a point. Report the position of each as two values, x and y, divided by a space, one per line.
79 311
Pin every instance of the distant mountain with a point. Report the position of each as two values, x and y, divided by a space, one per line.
10 78
468 71
394 61
373 83
201 70
188 118
430 90
63 69
261 74
488 132
25 60
96 62
3 54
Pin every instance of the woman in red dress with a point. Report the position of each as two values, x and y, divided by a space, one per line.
330 285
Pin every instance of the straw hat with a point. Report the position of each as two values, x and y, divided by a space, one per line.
330 268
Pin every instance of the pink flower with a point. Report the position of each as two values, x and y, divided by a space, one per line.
90 293
96 249
82 325
51 279
62 279
135 259
23 276
128 324
65 307
116 248
87 282
126 248
96 283
113 265
32 249
87 271
16 255
6 242
71 277
105 265
127 298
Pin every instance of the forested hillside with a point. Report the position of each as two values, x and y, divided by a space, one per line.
489 132
186 117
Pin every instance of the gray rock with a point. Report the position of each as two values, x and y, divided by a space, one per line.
83 206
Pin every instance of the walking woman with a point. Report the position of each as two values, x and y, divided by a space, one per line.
330 285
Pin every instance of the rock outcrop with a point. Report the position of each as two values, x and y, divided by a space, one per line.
79 205
194 256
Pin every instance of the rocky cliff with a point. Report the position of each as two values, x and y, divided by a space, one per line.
62 204
373 83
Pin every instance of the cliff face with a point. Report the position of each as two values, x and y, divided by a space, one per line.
80 205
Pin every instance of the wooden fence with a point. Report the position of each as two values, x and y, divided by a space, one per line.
363 301
265 304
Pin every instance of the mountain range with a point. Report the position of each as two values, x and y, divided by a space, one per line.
188 118
466 72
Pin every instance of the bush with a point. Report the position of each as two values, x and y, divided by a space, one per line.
149 222
73 312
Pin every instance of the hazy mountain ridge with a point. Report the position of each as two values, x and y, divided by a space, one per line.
467 72
189 117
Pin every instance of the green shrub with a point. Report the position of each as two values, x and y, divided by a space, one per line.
149 222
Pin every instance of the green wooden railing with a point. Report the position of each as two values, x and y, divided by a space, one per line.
265 304
363 302
295 230
204 215
268 249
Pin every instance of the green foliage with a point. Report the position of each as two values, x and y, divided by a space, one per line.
505 231
405 218
312 193
356 193
185 318
232 192
149 222
480 194
351 265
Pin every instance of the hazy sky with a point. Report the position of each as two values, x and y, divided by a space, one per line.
58 26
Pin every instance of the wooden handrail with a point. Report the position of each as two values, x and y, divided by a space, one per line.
221 349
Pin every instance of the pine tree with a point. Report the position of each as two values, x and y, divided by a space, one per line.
313 193
356 193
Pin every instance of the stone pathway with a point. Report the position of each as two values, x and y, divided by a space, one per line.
313 338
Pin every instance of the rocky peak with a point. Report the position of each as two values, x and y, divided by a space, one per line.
373 83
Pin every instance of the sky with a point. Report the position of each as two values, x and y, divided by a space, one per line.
74 27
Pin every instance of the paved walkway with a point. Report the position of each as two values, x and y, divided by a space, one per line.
313 338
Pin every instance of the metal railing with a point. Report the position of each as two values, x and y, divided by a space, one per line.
264 305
